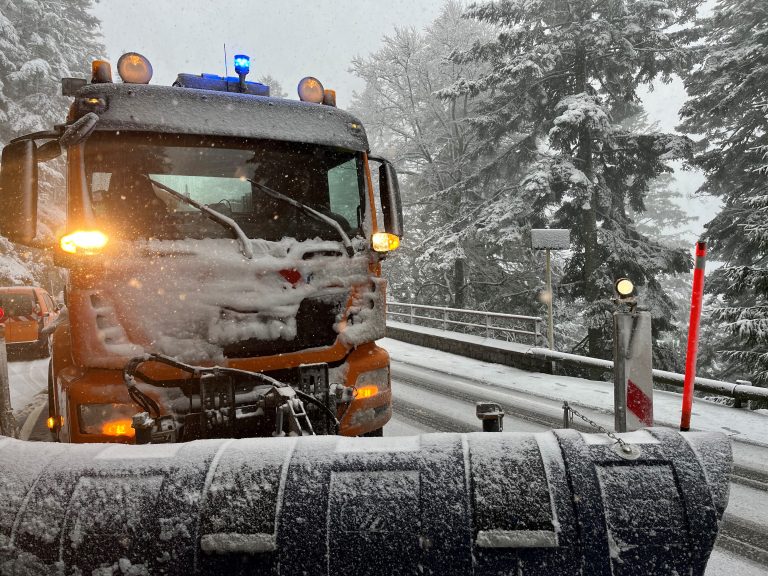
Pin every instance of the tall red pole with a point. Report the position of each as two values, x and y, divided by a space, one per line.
693 335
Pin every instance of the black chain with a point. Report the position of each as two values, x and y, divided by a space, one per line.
624 446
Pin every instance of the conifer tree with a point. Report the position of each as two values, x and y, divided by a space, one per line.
466 244
728 104
41 41
563 77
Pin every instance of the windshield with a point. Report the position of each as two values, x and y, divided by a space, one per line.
129 176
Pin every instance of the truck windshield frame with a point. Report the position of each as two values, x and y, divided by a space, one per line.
120 168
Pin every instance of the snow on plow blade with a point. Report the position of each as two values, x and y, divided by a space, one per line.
559 502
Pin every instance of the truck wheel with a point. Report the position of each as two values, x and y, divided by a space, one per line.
378 433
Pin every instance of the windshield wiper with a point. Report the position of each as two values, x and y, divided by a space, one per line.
309 211
245 243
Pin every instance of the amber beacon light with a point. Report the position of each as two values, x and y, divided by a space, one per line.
134 68
311 90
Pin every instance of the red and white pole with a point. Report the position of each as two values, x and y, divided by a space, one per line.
693 335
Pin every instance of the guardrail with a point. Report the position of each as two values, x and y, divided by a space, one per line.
719 387
489 323
740 391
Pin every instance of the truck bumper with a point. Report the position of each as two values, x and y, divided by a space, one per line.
365 368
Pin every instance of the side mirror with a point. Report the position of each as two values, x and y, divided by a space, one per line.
391 205
18 180
49 151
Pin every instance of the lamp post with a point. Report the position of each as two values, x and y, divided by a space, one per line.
550 239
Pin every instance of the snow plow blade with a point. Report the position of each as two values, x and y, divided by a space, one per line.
558 502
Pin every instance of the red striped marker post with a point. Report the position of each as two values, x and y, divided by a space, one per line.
693 335
633 371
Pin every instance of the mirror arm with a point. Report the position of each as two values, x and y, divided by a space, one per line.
79 211
43 135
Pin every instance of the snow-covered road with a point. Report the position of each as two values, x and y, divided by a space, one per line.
28 378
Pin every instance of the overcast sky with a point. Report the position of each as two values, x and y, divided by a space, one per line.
290 39
287 39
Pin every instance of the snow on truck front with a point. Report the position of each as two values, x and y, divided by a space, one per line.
210 229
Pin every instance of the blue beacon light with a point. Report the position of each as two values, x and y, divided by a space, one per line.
242 64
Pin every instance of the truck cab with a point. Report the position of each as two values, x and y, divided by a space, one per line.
218 241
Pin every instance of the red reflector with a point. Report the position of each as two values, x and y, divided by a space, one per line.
292 275
2 314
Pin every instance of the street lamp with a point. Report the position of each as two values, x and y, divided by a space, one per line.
550 239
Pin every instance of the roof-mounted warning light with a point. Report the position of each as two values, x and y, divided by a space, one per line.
134 68
242 64
311 90
242 67
101 72
329 97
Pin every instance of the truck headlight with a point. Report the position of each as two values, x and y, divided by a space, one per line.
368 384
87 242
384 242
107 419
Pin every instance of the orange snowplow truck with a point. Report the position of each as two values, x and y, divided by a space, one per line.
223 251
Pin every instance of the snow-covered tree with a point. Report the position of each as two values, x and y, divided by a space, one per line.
563 79
41 41
728 105
465 245
664 217
275 87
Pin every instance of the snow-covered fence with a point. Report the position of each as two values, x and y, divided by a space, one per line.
511 327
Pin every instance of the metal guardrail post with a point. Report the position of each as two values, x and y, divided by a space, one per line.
445 318
566 415
410 311
737 402
487 326
7 421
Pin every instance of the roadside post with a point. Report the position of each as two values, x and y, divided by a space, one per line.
492 416
697 296
632 361
7 421
550 239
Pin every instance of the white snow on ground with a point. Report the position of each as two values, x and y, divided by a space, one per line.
743 425
27 379
725 563
743 503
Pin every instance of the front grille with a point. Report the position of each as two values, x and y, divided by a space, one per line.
314 329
